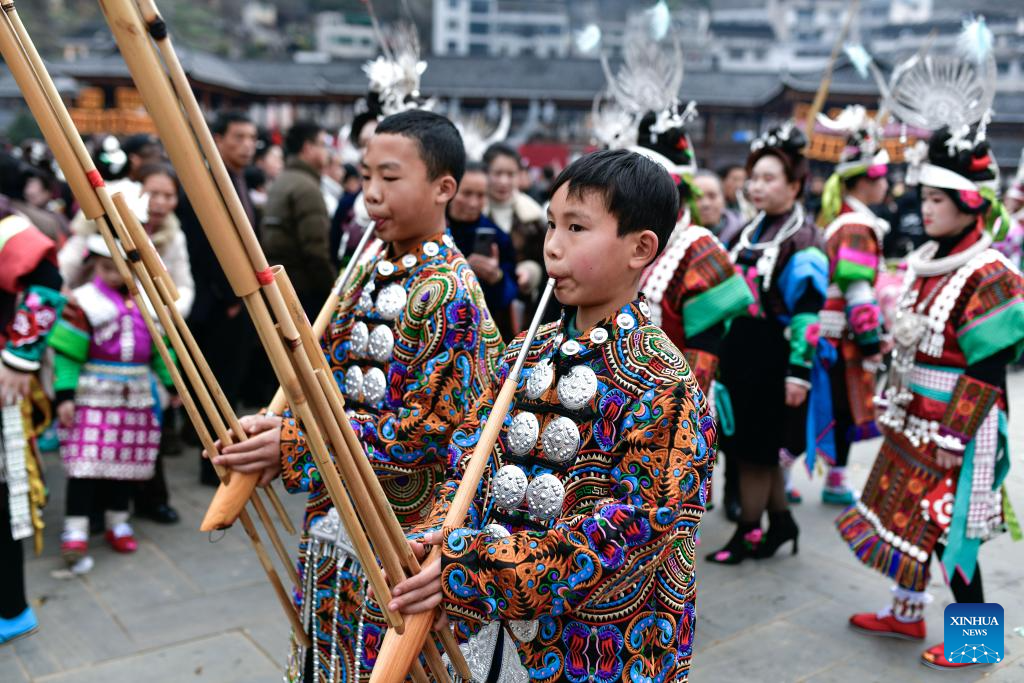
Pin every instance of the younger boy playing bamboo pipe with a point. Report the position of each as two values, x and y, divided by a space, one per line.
581 541
412 347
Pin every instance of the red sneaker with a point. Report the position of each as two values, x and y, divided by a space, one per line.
935 657
122 542
889 626
72 551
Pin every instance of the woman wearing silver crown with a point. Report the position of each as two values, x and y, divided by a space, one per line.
936 487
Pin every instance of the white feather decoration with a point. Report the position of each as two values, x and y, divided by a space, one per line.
975 40
588 38
859 58
660 19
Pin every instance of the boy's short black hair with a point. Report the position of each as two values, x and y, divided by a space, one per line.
438 139
299 134
637 191
500 149
225 119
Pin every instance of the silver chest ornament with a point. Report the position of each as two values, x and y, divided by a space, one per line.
374 385
391 301
577 387
381 343
908 328
496 531
358 339
354 383
523 433
561 439
540 379
544 496
508 487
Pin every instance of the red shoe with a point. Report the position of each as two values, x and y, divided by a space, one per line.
72 551
935 657
889 626
121 540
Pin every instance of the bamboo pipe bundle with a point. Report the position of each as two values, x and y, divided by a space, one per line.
230 497
173 108
398 650
49 110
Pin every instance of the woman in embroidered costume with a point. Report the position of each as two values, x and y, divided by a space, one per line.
412 347
766 356
937 484
849 350
578 561
106 403
30 302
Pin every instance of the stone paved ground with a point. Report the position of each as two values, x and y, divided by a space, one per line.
185 609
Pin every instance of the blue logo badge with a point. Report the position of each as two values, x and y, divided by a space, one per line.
973 633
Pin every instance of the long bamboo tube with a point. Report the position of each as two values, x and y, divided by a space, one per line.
299 382
398 650
48 109
240 256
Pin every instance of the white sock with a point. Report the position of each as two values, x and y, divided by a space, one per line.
75 529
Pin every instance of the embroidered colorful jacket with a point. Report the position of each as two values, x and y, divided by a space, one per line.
947 322
694 289
412 346
850 323
582 537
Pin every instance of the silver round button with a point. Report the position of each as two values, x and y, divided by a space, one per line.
431 249
571 347
625 321
385 268
544 496
523 433
447 239
599 335
577 387
561 439
381 343
495 530
408 261
391 301
374 385
540 379
354 383
358 339
508 486
524 631
644 308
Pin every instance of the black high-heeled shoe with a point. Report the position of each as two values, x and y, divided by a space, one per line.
782 528
743 544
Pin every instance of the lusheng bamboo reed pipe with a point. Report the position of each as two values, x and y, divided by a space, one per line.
230 497
51 114
398 650
282 334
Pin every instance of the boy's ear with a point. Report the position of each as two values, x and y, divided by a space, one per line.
645 248
445 188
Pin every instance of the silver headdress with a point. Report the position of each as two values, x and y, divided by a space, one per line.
395 75
640 107
947 90
477 134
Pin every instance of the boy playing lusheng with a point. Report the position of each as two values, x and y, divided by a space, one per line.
581 541
412 346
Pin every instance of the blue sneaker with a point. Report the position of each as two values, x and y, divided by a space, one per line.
21 625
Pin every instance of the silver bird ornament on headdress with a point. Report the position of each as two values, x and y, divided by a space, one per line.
395 75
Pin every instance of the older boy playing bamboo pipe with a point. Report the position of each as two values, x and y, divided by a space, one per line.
412 346
577 562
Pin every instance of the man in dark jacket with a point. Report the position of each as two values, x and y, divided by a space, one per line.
295 221
223 330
